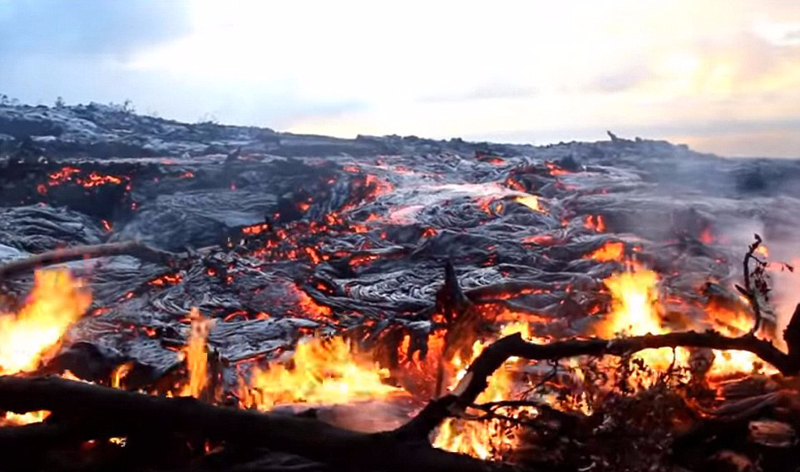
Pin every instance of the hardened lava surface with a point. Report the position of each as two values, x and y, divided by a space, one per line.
287 234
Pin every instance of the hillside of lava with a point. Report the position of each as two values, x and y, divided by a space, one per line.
354 281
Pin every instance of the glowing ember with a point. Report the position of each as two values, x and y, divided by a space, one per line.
94 179
542 239
320 372
168 279
256 229
555 169
610 251
56 301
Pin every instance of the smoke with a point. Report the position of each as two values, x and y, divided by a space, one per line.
784 260
785 281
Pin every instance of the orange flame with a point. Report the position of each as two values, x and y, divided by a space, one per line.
483 439
29 336
635 312
56 301
320 372
196 354
14 419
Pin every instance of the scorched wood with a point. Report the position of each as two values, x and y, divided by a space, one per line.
106 412
128 248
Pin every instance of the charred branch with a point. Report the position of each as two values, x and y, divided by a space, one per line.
129 248
753 282
476 379
106 413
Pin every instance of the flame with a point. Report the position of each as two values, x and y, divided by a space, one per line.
120 373
321 372
483 439
729 321
734 322
762 250
610 251
530 201
27 337
196 354
15 419
56 301
635 312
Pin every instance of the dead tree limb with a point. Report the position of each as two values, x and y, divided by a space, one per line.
751 289
128 248
106 412
476 379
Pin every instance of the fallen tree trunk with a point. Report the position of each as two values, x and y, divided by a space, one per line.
128 248
104 412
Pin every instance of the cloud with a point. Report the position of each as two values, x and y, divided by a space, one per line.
489 91
528 69
87 27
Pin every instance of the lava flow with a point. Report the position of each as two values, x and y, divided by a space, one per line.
356 287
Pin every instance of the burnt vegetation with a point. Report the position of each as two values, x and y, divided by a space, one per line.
263 301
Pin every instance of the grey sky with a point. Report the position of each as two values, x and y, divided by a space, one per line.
721 75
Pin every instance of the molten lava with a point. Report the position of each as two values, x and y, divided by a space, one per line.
530 201
598 224
610 251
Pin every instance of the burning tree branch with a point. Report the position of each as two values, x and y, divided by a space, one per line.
106 412
476 379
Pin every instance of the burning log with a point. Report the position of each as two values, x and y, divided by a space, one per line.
106 413
129 248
